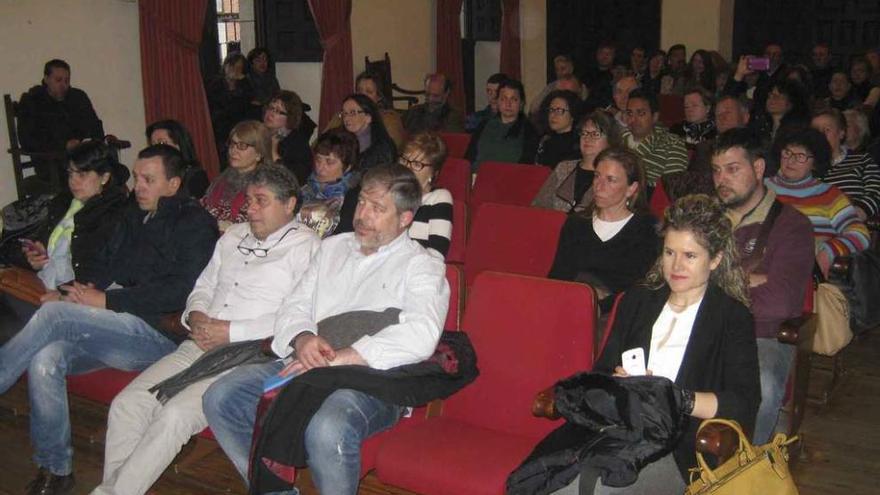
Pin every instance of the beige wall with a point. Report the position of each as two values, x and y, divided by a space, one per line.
533 47
98 38
706 24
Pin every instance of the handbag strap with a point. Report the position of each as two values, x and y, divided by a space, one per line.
744 446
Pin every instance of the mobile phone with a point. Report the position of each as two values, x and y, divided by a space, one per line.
633 362
27 243
758 63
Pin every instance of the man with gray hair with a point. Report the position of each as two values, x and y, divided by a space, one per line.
371 271
235 299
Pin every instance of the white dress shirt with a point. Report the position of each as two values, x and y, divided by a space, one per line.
247 289
401 274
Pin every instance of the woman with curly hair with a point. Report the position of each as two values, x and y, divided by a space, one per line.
691 320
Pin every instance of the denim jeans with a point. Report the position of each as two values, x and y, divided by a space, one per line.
68 339
333 437
774 360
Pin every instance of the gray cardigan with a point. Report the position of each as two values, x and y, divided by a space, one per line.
557 193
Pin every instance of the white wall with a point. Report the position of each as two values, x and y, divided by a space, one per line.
487 57
99 39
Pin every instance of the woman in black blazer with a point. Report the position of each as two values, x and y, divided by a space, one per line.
692 321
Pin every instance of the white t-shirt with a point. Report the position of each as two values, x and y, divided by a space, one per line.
669 339
606 230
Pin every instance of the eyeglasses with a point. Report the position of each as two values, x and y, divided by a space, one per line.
166 142
415 165
239 145
592 134
351 113
260 252
276 110
798 157
557 110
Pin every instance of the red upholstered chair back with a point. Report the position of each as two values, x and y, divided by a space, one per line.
528 333
456 143
456 177
659 201
508 183
513 239
671 109
459 233
456 283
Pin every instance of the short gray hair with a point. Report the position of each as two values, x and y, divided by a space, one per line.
399 181
277 179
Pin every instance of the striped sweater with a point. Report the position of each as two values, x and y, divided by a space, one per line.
836 227
858 176
432 224
662 153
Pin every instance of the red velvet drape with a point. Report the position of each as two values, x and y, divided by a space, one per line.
333 20
170 36
510 63
449 48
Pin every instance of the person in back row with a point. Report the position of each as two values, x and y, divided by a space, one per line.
174 134
436 113
235 299
151 263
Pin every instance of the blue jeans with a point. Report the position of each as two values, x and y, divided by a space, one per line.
68 339
333 437
774 360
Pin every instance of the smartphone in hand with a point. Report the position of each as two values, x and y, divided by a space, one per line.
28 244
633 362
756 64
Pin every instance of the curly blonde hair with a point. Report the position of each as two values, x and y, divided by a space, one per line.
705 218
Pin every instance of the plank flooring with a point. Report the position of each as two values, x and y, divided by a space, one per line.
841 455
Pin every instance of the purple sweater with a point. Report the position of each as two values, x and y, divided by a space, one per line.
788 263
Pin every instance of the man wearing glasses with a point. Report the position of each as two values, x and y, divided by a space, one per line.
255 264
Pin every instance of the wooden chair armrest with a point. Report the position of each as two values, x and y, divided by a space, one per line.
115 142
544 405
410 92
790 330
719 440
840 268
170 323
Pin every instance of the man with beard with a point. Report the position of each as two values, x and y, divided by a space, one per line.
435 114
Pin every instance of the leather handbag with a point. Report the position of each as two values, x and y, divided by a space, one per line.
832 320
752 470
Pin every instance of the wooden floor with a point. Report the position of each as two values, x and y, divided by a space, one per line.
842 440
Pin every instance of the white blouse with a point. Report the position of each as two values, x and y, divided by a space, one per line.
669 339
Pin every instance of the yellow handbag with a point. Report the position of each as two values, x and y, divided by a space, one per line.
752 470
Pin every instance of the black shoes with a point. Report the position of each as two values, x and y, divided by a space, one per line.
47 483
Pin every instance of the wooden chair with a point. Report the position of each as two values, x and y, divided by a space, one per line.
382 68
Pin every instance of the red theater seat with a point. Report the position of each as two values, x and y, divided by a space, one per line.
456 177
508 183
456 143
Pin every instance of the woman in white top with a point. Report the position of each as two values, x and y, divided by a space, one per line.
424 154
693 325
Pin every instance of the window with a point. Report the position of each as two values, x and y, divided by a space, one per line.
228 27
287 29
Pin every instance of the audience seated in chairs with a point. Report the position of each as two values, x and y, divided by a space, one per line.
694 305
786 108
291 130
174 134
475 119
558 116
804 158
361 117
613 243
622 88
569 188
435 114
776 254
54 116
840 95
261 75
507 137
230 100
661 152
254 267
855 174
375 268
335 174
250 146
698 125
369 84
152 261
79 225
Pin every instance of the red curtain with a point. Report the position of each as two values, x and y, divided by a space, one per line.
170 36
510 63
333 20
449 48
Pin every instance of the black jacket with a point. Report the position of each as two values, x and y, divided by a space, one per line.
45 124
522 126
157 262
381 152
721 356
295 152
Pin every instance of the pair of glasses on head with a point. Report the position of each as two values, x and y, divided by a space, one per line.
277 110
239 145
592 134
787 154
351 113
415 165
260 252
557 110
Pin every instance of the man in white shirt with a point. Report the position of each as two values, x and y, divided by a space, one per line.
254 265
374 268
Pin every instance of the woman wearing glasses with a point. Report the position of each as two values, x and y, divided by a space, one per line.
291 130
335 173
804 158
250 146
424 154
559 113
568 187
361 117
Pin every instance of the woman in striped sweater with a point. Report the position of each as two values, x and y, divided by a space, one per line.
856 174
837 229
424 154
